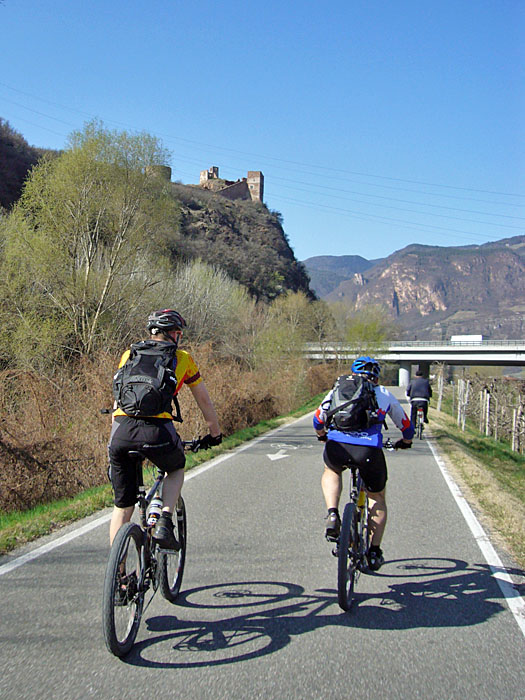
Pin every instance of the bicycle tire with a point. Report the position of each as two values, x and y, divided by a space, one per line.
419 426
122 611
347 556
171 564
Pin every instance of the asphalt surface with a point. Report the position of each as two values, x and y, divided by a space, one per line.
258 613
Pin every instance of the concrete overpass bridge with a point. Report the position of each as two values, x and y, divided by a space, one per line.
422 353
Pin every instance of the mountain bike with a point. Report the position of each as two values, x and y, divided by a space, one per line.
354 538
137 566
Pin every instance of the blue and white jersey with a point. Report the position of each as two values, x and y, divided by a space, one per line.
372 436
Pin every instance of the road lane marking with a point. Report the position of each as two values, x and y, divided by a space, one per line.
82 530
499 572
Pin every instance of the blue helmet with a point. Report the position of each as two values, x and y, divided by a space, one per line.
366 365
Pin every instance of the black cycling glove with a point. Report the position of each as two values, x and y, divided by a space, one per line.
322 438
402 445
209 441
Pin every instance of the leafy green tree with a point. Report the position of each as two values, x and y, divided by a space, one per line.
368 330
86 241
286 329
216 308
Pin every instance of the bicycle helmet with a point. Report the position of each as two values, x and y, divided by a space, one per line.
366 365
165 320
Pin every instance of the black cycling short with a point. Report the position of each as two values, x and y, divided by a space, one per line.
155 437
370 460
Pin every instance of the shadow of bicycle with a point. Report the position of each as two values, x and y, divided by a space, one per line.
238 621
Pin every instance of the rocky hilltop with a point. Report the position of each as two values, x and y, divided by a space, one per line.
434 292
244 238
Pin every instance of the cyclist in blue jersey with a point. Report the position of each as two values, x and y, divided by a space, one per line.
364 448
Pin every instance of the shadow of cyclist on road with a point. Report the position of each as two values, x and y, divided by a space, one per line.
238 621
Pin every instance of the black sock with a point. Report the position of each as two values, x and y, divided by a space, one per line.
333 510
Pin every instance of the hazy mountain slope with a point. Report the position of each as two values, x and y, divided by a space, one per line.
328 271
434 291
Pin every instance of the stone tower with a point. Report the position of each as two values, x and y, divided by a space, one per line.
210 174
256 185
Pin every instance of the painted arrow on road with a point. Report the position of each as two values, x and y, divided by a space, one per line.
277 455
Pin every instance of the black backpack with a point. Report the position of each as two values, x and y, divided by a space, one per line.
353 405
145 385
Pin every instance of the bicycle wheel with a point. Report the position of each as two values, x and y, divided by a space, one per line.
123 600
419 425
347 556
171 563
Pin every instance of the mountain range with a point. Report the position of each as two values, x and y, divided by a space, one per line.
433 292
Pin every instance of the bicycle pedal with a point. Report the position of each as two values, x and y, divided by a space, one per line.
163 550
335 552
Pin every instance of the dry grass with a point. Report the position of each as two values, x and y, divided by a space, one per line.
498 507
53 438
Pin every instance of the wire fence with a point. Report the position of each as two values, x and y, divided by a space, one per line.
495 407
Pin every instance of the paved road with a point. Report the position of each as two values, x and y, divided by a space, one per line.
258 615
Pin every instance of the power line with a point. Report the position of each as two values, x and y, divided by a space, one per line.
279 160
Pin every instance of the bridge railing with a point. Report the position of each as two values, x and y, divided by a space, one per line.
390 345
455 343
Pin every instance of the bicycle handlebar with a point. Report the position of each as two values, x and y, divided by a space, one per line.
192 445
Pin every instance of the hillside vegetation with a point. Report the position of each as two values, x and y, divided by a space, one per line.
94 243
17 158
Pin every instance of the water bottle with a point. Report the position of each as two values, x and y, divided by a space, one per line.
155 509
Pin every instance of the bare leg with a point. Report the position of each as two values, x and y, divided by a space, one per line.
118 518
171 488
377 516
331 484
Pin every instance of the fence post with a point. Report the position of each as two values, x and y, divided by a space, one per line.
514 426
465 404
460 401
440 388
481 409
487 413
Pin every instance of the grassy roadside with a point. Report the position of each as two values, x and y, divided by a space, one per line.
20 527
491 477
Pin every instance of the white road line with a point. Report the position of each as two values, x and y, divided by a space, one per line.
82 530
514 600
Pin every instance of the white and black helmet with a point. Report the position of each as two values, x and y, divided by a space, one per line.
166 320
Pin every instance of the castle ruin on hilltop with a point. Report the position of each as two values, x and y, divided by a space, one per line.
250 187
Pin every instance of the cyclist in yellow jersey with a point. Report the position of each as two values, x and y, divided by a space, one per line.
156 435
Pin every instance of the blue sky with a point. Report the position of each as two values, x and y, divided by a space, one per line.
376 123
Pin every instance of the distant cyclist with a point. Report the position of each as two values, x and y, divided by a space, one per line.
364 448
419 392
